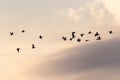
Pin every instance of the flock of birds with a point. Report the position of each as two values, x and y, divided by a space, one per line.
23 31
97 36
64 38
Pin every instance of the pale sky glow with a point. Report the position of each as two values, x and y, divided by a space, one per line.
54 59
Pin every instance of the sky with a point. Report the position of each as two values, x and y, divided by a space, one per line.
54 59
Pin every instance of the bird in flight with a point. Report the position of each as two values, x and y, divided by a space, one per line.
99 38
89 32
18 50
78 40
33 46
23 31
82 35
11 33
97 34
110 32
87 40
64 38
73 34
71 39
41 37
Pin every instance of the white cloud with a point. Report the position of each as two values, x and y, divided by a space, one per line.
73 14
91 11
102 15
113 7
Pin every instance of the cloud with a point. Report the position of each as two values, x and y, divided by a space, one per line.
113 7
93 11
73 14
91 60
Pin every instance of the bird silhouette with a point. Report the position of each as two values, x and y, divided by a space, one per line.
18 50
82 35
73 34
41 37
110 32
87 40
33 46
23 31
78 40
89 32
64 38
97 34
98 38
11 33
71 39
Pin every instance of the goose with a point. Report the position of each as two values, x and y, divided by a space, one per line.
33 46
18 50
82 35
99 38
97 34
11 33
64 38
110 32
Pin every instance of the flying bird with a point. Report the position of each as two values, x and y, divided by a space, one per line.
71 39
97 34
82 35
11 33
64 38
33 46
89 32
73 34
23 31
78 40
87 40
110 32
18 50
99 38
41 37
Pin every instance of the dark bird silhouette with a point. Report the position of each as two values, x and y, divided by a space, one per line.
99 38
87 40
33 46
41 37
64 38
89 32
23 31
73 34
11 33
110 32
82 35
18 50
78 40
97 34
71 39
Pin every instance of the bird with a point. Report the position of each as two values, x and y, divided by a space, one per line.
82 35
98 38
87 40
41 37
64 38
23 31
110 32
73 34
71 39
89 32
11 33
18 50
97 34
78 40
33 46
